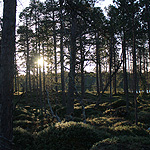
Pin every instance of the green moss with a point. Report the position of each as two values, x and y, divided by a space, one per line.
144 117
128 130
68 136
22 139
118 103
104 121
22 117
25 124
123 143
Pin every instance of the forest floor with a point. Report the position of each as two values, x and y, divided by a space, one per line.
107 127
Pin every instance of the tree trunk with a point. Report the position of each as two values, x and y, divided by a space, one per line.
110 65
7 74
15 65
62 56
82 69
114 79
71 86
100 73
148 22
134 72
43 69
55 52
125 70
97 62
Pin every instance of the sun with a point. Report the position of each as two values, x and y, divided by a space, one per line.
40 61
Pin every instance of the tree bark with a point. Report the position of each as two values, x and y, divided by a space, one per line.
110 65
55 52
7 74
70 101
134 70
82 69
62 56
97 62
125 70
114 78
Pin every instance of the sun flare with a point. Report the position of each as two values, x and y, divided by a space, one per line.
40 61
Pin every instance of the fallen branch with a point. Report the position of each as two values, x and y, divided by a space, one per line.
52 112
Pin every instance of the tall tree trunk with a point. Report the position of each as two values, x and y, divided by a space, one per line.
110 65
148 21
100 74
62 56
82 69
43 68
71 86
140 69
134 71
15 65
114 78
147 83
125 70
33 74
7 74
97 62
144 74
55 52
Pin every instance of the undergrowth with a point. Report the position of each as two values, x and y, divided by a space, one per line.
108 126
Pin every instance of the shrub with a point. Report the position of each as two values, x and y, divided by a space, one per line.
22 139
68 136
123 143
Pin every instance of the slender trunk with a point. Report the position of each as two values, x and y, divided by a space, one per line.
40 74
114 79
37 57
100 76
29 78
33 74
148 22
27 61
15 64
82 69
147 75
134 72
40 78
43 68
140 69
125 71
18 83
110 65
97 62
71 86
55 52
7 74
62 57
144 74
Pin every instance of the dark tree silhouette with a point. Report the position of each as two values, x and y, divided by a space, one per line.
6 76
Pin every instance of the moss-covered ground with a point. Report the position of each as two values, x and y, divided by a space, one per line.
108 126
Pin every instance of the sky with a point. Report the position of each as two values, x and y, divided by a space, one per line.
21 4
